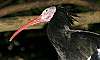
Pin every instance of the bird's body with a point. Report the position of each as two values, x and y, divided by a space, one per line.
66 41
69 44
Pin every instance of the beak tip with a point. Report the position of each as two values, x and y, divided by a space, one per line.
10 40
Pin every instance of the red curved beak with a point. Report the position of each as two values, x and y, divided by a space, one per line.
32 22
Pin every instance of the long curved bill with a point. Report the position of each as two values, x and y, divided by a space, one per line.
32 22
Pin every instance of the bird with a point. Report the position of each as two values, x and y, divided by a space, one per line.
69 43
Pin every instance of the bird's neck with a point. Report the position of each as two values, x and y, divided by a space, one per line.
55 27
59 20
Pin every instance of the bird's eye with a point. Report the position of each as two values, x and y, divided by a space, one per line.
46 10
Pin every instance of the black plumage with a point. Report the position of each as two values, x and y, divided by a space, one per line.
71 44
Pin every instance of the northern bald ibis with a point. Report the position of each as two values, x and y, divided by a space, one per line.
70 44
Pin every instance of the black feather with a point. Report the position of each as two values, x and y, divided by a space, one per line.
70 44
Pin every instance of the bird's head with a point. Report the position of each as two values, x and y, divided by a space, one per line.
47 14
45 17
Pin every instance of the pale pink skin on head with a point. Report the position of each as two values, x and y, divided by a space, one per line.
46 16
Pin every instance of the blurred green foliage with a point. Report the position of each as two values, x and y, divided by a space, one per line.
98 2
